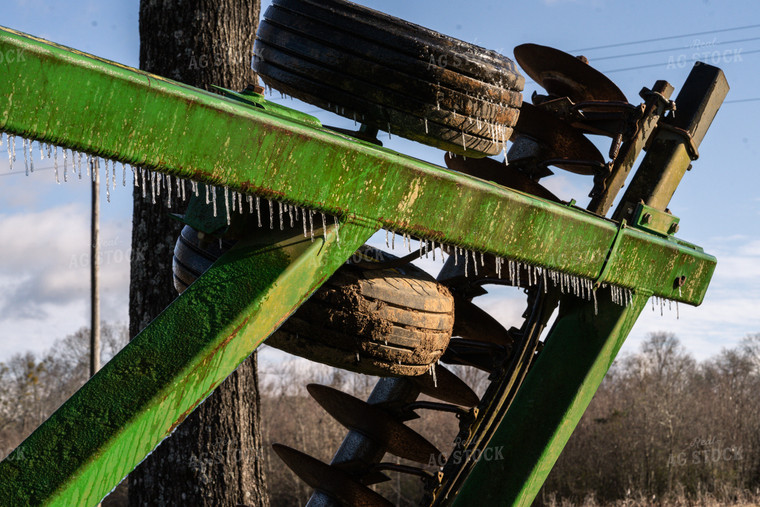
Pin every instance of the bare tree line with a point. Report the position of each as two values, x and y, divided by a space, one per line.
662 429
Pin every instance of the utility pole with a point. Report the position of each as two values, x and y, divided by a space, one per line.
94 274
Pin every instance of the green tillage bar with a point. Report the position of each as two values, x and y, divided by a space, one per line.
579 350
63 97
107 427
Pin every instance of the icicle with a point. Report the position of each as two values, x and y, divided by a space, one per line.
393 241
26 156
271 214
282 215
662 307
113 174
227 204
432 246
324 224
389 130
387 244
55 163
108 189
11 151
168 180
234 200
596 307
678 314
305 232
258 209
652 299
511 271
482 259
213 199
153 189
518 268
249 198
65 178
337 229
432 372
142 173
426 125
475 263
466 263
290 215
31 157
420 248
311 225
123 173
543 275
456 255
183 188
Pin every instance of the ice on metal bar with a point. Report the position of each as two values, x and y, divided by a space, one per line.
227 204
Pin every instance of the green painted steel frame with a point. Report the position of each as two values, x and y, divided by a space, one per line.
119 113
579 350
103 108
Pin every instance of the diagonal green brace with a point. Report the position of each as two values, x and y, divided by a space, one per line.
60 96
579 351
104 430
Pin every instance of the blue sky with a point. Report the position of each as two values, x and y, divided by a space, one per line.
44 226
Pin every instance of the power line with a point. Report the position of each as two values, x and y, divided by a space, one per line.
660 64
754 99
669 37
654 51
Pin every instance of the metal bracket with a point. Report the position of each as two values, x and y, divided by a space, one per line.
666 131
610 255
652 220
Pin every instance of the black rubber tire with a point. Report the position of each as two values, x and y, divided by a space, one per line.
389 73
378 322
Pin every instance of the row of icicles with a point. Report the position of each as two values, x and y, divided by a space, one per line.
76 164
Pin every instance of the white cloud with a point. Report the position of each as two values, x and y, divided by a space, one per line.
44 270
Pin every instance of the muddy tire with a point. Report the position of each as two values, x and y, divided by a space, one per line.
374 321
391 74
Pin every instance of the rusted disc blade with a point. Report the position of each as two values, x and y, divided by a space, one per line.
375 423
558 139
446 387
329 479
564 75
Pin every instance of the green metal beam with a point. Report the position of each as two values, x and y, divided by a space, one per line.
107 427
63 97
579 351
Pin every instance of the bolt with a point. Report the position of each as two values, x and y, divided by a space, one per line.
646 218
673 228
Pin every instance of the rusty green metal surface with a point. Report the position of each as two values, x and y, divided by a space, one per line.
105 429
579 351
653 220
119 113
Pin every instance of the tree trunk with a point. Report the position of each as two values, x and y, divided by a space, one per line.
214 457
